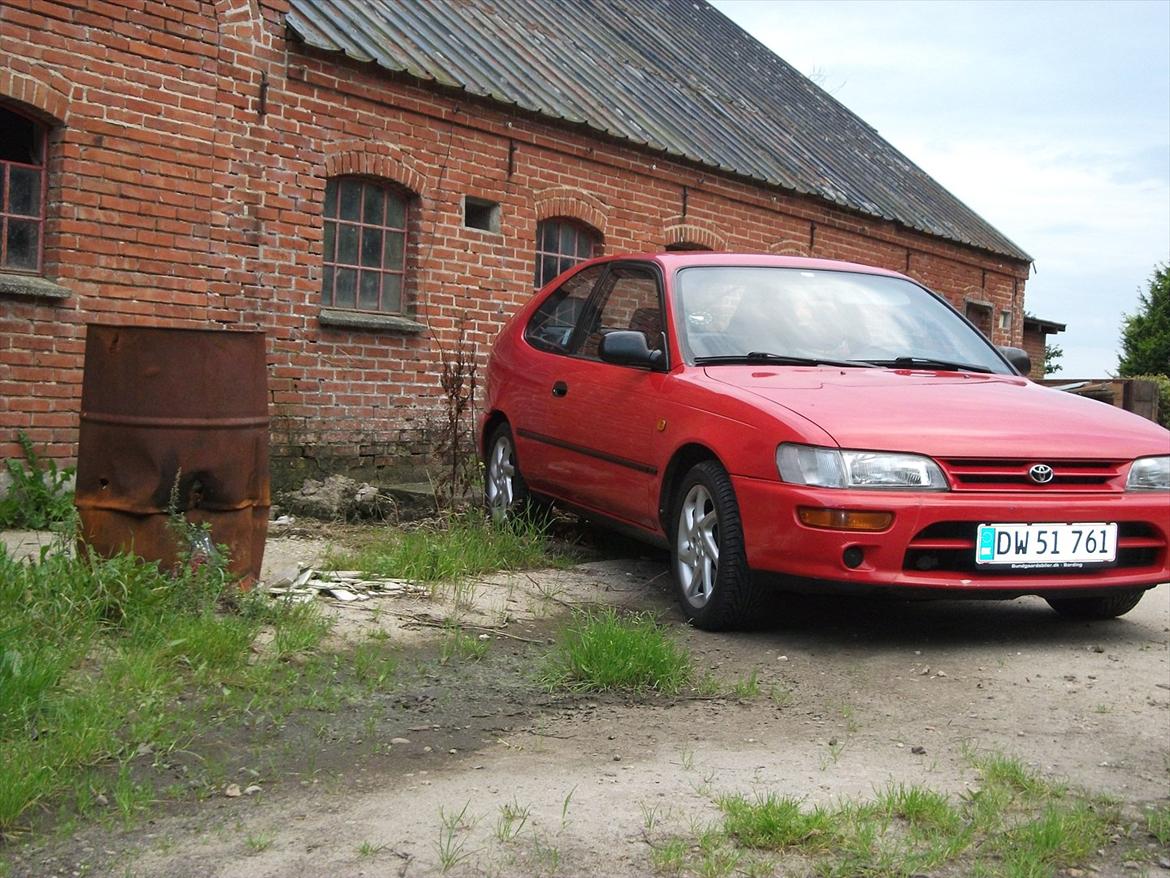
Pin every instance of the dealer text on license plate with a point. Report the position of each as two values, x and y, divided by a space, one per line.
1028 546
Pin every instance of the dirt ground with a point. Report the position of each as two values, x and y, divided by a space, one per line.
853 694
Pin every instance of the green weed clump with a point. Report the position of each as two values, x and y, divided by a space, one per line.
455 547
39 495
602 651
1016 823
96 654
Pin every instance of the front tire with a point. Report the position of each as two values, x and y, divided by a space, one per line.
708 556
1107 607
505 491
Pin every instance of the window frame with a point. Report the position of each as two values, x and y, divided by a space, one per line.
42 131
581 229
331 267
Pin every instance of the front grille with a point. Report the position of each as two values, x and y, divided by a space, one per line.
977 474
949 546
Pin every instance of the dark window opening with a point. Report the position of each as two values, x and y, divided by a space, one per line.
979 313
22 192
561 244
365 246
479 213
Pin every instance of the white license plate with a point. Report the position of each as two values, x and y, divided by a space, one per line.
1037 546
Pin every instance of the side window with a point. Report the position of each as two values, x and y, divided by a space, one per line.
22 193
551 327
632 303
365 246
561 244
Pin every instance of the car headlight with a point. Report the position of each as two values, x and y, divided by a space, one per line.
834 468
1149 474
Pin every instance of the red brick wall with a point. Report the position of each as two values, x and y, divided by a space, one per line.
1034 343
175 201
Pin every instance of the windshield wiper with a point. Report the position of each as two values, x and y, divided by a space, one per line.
929 363
779 359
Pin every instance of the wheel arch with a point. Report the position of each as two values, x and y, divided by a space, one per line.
493 420
684 458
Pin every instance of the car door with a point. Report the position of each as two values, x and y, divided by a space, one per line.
551 335
601 415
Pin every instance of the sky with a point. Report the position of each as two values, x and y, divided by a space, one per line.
1050 119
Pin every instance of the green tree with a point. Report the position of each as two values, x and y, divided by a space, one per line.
1145 335
1052 355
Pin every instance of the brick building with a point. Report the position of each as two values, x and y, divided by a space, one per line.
1035 341
365 181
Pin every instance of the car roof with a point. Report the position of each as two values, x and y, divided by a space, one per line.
673 260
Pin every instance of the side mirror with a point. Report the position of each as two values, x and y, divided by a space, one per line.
1019 359
626 347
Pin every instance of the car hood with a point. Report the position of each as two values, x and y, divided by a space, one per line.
950 414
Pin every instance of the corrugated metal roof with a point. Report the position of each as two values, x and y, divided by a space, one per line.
674 76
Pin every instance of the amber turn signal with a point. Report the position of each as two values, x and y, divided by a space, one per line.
844 519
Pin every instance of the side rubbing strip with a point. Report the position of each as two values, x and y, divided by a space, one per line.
589 452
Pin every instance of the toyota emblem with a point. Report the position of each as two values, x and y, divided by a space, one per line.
1041 473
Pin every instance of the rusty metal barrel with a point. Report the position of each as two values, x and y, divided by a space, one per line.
174 421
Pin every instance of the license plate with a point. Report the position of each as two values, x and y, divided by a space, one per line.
1039 546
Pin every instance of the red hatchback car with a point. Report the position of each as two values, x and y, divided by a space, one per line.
811 424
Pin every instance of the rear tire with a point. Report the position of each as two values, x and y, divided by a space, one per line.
505 491
708 556
1107 607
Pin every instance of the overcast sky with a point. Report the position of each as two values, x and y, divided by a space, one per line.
1049 119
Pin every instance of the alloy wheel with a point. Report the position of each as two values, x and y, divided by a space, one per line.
501 474
698 546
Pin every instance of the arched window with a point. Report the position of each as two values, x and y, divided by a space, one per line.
22 192
365 245
560 244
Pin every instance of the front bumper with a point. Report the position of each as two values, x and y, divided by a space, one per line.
930 546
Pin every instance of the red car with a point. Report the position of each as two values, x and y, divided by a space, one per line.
811 425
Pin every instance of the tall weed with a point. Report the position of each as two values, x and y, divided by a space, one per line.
39 495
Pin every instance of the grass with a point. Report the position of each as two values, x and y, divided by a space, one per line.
1158 823
259 842
451 549
368 850
102 660
1018 824
458 644
602 651
511 820
452 844
747 688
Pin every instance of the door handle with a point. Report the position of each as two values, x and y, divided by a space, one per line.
560 388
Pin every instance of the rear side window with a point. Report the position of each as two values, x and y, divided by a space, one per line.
551 327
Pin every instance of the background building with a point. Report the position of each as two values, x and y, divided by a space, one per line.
369 183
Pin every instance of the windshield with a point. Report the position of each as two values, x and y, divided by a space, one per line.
751 313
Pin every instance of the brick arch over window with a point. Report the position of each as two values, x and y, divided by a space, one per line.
692 232
566 202
789 247
373 160
43 94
